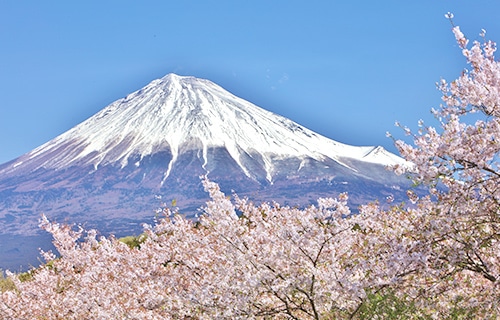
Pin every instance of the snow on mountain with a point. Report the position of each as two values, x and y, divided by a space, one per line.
182 113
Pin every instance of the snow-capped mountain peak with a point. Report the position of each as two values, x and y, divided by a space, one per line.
182 113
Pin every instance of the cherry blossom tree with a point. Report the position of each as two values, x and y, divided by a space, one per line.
459 224
438 256
270 261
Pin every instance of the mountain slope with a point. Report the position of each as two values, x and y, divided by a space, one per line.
107 171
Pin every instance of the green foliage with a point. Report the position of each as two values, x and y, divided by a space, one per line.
133 241
458 312
5 283
26 276
386 304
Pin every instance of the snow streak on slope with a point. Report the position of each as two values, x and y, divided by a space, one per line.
184 113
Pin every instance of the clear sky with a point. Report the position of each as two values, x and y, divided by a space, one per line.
345 69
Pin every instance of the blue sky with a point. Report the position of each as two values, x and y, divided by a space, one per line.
345 69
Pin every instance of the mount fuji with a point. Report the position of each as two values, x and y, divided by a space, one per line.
109 171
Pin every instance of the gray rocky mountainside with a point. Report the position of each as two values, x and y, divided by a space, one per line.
108 171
